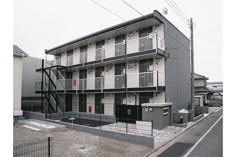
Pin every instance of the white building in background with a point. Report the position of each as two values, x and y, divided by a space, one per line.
18 56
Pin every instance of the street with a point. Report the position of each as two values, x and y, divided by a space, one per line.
205 139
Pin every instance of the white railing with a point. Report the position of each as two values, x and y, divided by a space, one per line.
134 80
113 50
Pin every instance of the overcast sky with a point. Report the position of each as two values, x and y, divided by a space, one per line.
43 24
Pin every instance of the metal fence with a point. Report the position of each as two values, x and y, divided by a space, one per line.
128 126
38 148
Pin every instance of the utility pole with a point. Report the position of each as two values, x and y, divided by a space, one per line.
192 69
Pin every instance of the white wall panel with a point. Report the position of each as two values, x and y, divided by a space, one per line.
76 56
109 48
132 74
91 52
91 78
64 59
132 42
109 76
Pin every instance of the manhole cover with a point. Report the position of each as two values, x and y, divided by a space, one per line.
82 147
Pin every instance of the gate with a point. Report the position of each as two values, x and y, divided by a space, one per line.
127 113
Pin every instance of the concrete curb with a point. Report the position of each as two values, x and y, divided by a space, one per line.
186 129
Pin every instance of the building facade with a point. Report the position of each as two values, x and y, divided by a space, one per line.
30 100
115 70
18 56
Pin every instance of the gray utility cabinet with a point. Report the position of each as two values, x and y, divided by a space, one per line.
159 113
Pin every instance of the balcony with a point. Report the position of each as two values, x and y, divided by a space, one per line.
113 51
135 81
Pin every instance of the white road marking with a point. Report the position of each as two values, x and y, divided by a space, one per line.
30 127
218 110
195 145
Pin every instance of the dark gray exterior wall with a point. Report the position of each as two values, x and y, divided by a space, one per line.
178 77
29 77
29 99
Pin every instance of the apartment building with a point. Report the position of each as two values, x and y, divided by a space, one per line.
114 71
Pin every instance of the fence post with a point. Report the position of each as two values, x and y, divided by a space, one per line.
126 127
100 122
49 151
152 128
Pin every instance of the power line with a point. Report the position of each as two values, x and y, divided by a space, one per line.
108 10
132 7
178 8
177 13
125 20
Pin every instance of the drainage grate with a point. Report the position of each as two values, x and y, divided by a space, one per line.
176 150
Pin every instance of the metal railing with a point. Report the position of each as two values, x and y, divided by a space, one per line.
112 50
37 148
134 80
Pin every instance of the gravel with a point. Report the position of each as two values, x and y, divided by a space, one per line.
72 143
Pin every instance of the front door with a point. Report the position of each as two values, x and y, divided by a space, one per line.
99 50
99 105
82 79
68 82
82 102
119 45
145 43
146 73
120 75
99 77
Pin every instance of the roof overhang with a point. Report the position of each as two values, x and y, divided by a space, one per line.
135 24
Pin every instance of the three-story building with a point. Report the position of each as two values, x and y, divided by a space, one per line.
115 70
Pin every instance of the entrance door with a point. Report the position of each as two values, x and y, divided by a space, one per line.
69 57
99 50
83 54
120 75
68 82
99 77
119 46
146 75
145 43
68 102
82 102
82 79
99 105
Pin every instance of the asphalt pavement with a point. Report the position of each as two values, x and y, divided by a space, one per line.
205 139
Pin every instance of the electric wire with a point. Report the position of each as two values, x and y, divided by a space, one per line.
178 8
132 7
177 13
108 10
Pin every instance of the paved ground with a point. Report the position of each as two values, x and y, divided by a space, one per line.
191 136
212 143
71 143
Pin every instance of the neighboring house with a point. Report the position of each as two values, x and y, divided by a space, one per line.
200 89
18 56
215 86
114 71
30 100
215 95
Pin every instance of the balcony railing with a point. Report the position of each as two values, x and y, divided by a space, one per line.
114 50
134 80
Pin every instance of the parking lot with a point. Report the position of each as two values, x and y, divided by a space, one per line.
72 143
